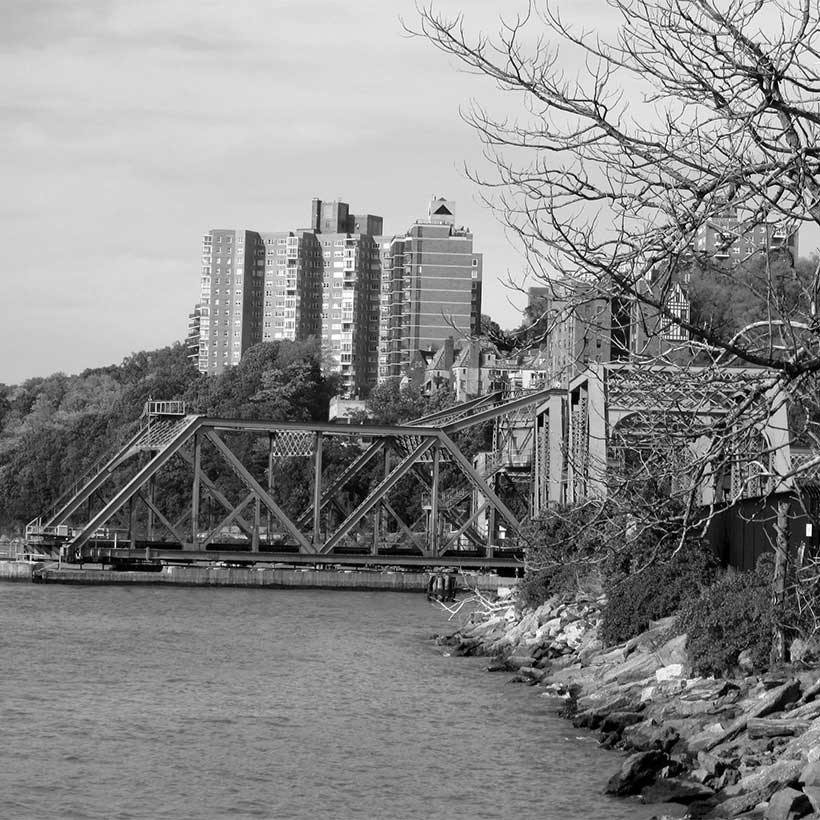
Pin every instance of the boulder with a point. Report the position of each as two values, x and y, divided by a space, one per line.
637 771
805 651
741 803
670 672
788 804
783 772
810 778
648 735
771 701
618 721
675 790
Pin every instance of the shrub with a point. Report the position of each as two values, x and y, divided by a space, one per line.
732 615
563 552
655 591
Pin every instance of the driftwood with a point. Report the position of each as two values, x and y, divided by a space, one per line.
776 727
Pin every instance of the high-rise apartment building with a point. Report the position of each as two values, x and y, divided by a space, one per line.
318 281
430 288
230 297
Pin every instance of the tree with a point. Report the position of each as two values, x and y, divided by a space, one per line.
693 108
661 178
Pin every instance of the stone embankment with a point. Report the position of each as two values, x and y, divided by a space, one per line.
724 748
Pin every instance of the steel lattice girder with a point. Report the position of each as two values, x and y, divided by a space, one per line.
192 430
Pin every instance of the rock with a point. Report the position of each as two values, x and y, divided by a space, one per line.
616 655
636 772
745 662
709 737
805 651
670 672
648 735
813 793
735 806
574 634
589 647
810 775
811 692
810 778
768 702
783 772
618 721
788 804
711 763
639 666
517 661
675 790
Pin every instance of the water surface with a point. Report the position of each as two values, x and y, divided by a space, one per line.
144 702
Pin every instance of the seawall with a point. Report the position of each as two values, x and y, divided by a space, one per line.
267 577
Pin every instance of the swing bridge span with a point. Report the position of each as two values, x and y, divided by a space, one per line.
188 489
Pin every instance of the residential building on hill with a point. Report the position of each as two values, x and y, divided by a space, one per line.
372 300
431 288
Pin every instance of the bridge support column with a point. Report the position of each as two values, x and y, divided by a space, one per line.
269 524
432 538
196 491
317 494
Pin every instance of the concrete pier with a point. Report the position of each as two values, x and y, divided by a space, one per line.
268 577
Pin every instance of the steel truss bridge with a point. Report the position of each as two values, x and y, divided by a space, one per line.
154 500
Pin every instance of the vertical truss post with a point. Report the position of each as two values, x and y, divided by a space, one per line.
152 493
195 491
491 519
257 515
317 493
132 522
432 538
269 525
379 522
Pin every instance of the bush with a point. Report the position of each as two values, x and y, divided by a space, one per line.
634 599
732 615
563 552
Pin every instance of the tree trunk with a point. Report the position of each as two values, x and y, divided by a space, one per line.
781 553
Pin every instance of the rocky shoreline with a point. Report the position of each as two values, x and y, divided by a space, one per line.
744 747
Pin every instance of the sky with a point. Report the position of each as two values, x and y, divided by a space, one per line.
132 128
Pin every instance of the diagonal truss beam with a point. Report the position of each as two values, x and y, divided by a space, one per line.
162 519
217 495
226 521
137 482
378 493
448 515
80 494
482 486
465 526
499 410
415 537
261 493
328 495
456 412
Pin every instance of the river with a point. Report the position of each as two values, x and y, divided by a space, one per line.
151 703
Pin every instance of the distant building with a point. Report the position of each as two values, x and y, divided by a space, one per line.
192 337
576 326
320 281
431 288
733 236
230 301
374 301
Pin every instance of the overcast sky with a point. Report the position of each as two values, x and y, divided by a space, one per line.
131 127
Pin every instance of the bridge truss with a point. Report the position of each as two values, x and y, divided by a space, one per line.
190 487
